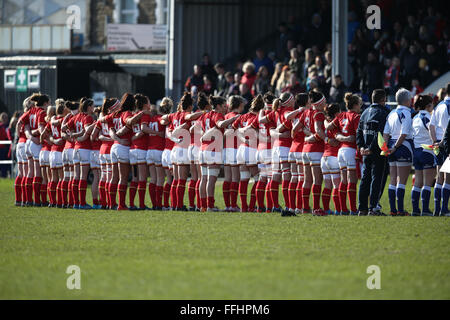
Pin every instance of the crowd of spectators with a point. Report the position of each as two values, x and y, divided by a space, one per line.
410 50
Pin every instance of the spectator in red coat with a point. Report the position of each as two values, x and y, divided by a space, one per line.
249 76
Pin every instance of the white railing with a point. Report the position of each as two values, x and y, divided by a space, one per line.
11 162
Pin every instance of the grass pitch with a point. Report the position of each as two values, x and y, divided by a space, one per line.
175 255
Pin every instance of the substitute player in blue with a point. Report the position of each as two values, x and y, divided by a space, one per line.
424 160
398 134
438 125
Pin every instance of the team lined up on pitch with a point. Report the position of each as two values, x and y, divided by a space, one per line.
301 143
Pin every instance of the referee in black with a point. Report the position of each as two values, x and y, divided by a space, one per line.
371 123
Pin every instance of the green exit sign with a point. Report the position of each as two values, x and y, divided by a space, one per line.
21 79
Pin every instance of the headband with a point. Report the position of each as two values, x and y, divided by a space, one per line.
284 104
114 107
315 104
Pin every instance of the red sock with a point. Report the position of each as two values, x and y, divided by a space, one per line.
285 190
173 194
326 196
122 195
108 195
316 196
305 195
59 193
252 204
234 189
75 184
260 190
204 203
197 193
269 196
37 189
191 192
102 191
71 198
44 190
112 194
152 193
141 192
18 189
65 189
29 186
159 195
274 193
343 197
52 192
292 194
336 201
351 189
82 186
226 193
181 189
166 192
23 185
299 203
210 202
243 185
132 195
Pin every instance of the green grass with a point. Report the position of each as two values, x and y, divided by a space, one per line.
174 255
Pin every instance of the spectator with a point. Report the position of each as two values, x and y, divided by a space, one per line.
372 74
276 75
249 76
434 61
294 86
234 88
208 67
309 60
262 82
282 41
195 80
262 60
391 78
244 92
221 80
4 148
327 70
410 32
411 63
229 80
316 33
295 65
416 89
338 90
283 80
208 86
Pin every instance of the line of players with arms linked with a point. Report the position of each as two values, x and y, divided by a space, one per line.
301 143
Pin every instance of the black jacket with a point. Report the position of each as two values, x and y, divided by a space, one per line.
371 122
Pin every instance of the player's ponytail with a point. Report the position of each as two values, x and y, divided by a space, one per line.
351 100
276 104
202 101
257 104
166 105
216 101
186 101
140 100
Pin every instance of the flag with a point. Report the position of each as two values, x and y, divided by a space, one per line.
383 145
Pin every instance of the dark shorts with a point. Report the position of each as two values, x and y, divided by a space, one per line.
403 154
424 159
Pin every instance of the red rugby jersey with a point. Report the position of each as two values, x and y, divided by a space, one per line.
22 136
209 120
309 118
347 123
331 151
69 144
56 134
34 117
299 138
276 118
105 147
142 142
77 124
243 121
264 139
156 142
117 121
234 143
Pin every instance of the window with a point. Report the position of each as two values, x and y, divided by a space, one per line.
34 79
10 78
126 11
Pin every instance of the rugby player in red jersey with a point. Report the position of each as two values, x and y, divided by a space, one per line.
230 166
347 123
